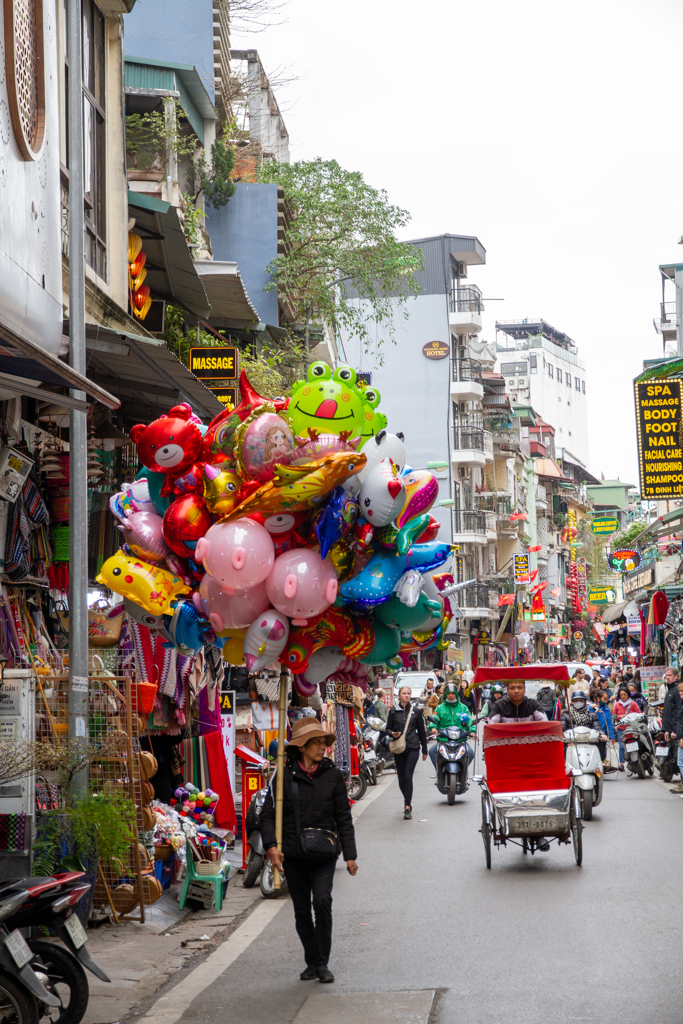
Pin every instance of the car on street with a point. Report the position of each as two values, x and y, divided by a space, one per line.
415 680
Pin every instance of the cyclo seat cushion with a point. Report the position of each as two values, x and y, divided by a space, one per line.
525 757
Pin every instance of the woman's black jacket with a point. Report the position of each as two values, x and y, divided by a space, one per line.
323 803
416 736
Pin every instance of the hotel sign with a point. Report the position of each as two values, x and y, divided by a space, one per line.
660 452
435 350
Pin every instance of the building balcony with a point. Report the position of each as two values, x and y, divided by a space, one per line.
468 447
488 446
465 309
537 450
491 526
469 527
474 602
666 324
506 443
499 502
466 385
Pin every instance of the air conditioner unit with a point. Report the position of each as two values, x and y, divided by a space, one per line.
462 270
462 472
14 469
522 382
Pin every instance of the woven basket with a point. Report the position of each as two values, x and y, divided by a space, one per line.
144 695
207 867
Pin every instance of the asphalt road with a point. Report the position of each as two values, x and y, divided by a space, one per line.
536 940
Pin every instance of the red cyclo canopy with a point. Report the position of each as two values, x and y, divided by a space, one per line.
528 673
525 757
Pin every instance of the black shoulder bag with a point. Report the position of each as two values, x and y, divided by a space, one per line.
314 843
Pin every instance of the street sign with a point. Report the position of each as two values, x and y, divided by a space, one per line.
602 595
605 526
623 559
578 635
214 363
227 699
226 396
520 568
660 453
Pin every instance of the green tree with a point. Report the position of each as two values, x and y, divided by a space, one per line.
341 245
214 177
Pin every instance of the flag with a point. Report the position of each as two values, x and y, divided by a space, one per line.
536 547
538 588
533 575
556 592
518 515
506 599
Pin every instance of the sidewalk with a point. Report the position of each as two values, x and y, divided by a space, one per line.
140 958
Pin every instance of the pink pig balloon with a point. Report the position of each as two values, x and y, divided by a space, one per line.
229 611
238 555
301 585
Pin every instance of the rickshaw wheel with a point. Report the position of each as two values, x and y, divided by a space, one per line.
486 836
577 828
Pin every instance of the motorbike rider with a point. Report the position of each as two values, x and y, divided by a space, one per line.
450 713
496 692
516 707
604 713
580 713
623 706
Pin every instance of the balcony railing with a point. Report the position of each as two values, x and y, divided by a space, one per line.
466 300
467 370
465 438
488 443
500 503
469 522
507 441
476 596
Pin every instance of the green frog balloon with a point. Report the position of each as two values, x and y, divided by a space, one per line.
373 420
331 403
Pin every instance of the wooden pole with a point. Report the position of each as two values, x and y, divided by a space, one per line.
280 777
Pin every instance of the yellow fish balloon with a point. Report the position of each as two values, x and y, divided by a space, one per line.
296 488
233 645
221 489
154 589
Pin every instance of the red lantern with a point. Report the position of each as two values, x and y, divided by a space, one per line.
141 296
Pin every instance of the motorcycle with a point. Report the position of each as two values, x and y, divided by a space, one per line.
258 866
583 755
24 997
451 761
666 751
375 734
52 902
368 765
638 745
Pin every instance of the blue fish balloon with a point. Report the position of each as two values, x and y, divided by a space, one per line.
375 583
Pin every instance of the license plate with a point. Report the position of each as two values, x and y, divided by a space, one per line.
533 825
76 931
631 746
18 948
662 751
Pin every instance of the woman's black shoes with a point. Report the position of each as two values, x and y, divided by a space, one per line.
309 974
325 975
408 813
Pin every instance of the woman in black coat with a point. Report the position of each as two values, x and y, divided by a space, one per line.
416 737
323 803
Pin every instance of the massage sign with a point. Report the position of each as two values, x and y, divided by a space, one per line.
660 454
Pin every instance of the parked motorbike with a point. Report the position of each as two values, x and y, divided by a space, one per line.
368 765
451 761
638 745
24 997
666 751
259 868
582 753
52 902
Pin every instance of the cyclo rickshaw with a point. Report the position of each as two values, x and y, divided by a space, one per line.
528 796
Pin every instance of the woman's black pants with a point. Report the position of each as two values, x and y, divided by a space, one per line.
405 766
311 880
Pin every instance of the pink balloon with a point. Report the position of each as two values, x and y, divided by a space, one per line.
301 585
238 555
229 611
143 535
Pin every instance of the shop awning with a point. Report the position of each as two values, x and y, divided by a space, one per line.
146 376
171 273
225 292
23 363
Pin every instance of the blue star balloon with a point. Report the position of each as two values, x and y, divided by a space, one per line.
375 583
335 519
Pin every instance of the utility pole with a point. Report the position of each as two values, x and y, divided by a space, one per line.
78 421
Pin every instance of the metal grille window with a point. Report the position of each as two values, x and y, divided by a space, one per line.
94 132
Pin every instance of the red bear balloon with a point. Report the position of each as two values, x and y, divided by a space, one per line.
172 445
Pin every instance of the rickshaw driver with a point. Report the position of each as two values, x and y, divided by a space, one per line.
516 707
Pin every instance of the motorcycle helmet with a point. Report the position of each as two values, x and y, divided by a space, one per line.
497 691
450 693
579 699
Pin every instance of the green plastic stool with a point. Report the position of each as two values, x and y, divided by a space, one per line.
218 882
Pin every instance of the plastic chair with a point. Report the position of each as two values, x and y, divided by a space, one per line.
218 882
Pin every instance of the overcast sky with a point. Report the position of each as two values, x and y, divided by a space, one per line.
551 131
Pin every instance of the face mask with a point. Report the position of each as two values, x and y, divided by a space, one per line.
450 699
579 704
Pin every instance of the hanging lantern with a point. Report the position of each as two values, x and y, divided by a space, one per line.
136 282
140 296
137 264
134 245
144 310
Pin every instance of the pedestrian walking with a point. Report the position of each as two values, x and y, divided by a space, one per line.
316 827
606 723
407 726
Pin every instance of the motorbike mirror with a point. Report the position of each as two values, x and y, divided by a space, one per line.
477 778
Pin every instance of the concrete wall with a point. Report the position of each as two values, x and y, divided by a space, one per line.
414 389
246 231
174 30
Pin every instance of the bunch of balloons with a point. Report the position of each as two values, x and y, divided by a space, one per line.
289 530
